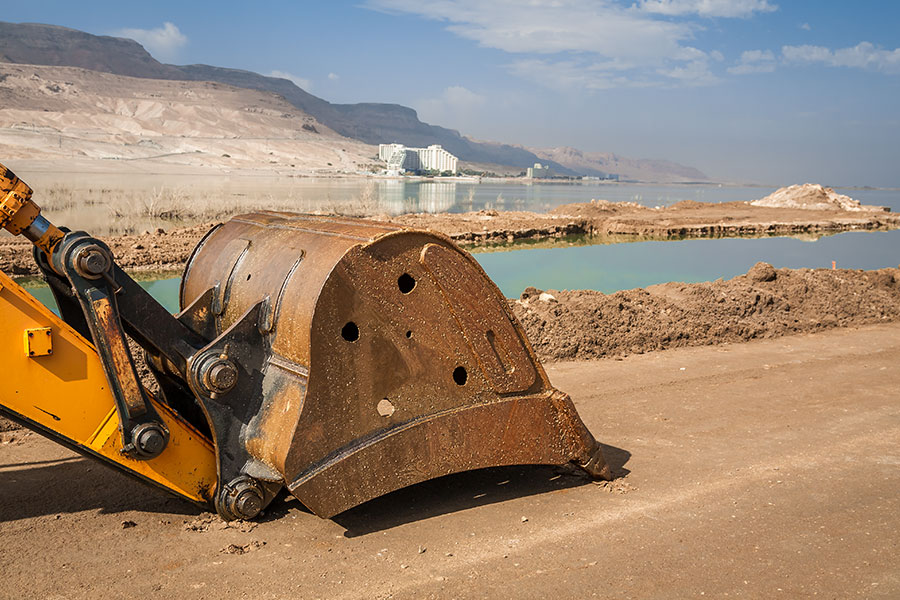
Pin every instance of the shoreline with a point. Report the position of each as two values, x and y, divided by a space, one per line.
147 166
596 222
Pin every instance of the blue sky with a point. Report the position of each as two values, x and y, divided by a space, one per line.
745 90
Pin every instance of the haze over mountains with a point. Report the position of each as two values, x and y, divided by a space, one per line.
368 123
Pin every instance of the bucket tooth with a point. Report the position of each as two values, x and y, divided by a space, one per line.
391 359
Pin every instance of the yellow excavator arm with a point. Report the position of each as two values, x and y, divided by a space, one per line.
53 383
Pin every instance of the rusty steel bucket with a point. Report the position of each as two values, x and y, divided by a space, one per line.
391 359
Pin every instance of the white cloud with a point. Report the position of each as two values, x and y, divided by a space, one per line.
862 56
549 27
333 76
456 104
163 42
602 43
694 73
754 61
707 8
805 26
300 82
572 75
460 97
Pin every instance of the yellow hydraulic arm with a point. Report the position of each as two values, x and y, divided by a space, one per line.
53 380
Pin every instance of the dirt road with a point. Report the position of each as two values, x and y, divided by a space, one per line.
769 469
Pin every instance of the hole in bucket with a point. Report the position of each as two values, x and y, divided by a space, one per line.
350 332
460 376
406 283
385 407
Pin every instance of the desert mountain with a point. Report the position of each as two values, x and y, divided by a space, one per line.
372 123
31 43
48 112
369 122
601 163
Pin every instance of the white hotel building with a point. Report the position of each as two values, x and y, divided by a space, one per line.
399 158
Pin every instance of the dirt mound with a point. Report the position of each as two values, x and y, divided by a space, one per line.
764 303
811 196
689 205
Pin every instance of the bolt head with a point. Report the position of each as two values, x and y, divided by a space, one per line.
92 261
248 504
223 376
150 439
218 375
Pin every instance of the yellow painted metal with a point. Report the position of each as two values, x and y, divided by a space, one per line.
38 342
18 211
65 396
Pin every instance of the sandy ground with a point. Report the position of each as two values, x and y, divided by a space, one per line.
760 470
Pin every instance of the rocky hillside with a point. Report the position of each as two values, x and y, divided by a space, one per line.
628 169
38 44
48 112
370 122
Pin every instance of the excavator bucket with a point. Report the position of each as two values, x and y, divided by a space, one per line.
340 358
388 358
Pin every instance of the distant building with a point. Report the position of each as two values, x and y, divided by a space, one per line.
399 159
386 151
539 171
435 158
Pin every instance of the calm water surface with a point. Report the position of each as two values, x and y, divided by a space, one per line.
397 196
612 267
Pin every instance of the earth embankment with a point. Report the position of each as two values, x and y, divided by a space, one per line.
597 221
763 303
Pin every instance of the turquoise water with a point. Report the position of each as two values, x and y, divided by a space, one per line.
165 291
612 267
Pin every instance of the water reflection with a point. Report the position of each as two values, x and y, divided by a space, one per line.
398 197
121 204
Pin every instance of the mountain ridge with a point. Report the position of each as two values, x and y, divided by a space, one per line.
601 163
372 123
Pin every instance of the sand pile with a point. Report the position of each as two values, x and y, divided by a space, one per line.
811 196
763 303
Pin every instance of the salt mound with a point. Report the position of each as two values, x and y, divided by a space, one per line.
811 196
